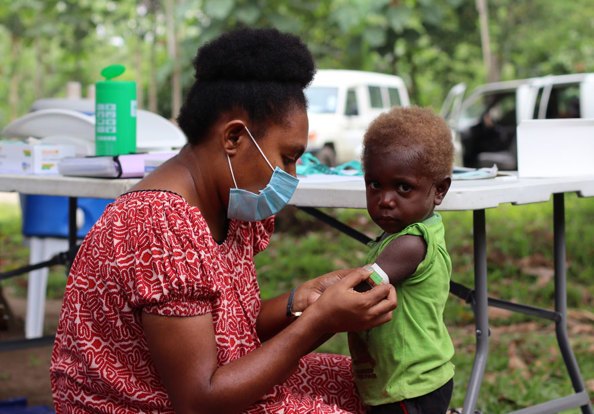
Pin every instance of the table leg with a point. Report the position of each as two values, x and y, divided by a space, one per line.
561 300
480 311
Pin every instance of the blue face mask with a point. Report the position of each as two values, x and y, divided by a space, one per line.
247 206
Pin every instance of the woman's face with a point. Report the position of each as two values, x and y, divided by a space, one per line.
399 190
282 145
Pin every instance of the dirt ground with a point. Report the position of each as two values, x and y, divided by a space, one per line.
35 385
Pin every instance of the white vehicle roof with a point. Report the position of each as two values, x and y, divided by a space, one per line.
536 81
349 78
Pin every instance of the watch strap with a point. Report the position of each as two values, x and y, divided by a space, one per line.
290 312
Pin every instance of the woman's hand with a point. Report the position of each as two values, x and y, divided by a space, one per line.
310 291
338 307
272 317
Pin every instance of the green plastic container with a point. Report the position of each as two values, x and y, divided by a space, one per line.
115 114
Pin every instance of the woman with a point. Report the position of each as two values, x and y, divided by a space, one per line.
162 309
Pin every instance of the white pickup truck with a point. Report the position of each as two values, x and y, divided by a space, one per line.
485 122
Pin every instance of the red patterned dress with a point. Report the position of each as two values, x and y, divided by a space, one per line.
151 251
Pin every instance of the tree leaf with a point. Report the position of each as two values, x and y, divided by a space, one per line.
398 17
433 14
248 14
285 23
375 36
218 9
346 17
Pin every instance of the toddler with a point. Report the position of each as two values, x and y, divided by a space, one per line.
404 366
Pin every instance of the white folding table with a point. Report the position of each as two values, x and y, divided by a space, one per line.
476 195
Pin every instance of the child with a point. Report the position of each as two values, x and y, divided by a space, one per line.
404 366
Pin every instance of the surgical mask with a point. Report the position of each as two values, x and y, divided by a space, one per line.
247 206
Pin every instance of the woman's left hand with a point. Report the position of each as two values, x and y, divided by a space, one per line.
310 291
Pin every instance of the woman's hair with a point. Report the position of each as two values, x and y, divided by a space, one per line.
414 129
261 71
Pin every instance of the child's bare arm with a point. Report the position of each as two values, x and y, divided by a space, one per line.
401 257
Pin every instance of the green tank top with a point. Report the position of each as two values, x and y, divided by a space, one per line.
411 355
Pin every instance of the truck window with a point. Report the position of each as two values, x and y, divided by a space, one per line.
352 106
498 107
502 109
473 112
321 99
375 97
564 102
490 127
394 97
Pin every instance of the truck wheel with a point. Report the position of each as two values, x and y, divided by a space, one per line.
327 156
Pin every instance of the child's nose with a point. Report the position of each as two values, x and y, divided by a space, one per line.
386 200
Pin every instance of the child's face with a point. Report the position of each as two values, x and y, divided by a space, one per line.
399 191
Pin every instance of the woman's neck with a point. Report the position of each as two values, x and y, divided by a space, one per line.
203 186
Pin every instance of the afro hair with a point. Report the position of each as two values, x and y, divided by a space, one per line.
261 71
412 128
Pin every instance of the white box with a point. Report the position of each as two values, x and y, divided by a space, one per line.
556 147
21 158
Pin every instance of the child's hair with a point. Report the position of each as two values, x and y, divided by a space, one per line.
412 128
261 71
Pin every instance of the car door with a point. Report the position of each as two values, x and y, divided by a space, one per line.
348 146
450 109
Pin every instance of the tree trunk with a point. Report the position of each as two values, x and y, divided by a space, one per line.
412 74
490 62
138 64
15 79
173 52
152 81
39 75
152 87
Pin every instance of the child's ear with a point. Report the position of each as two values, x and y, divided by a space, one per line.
441 189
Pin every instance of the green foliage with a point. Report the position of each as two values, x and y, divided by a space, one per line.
537 37
11 239
432 44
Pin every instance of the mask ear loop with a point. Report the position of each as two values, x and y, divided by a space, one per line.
257 146
231 169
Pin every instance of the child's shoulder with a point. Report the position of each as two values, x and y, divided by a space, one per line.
404 242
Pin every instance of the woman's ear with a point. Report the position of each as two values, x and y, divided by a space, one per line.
441 189
232 133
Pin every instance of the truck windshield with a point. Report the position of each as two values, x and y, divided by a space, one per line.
321 99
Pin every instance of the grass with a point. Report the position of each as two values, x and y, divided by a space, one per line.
524 366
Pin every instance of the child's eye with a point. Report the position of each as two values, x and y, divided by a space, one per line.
404 188
374 185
